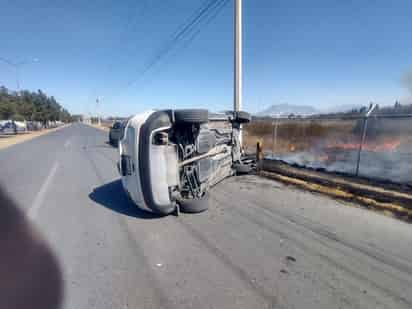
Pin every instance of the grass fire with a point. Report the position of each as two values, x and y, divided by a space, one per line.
333 145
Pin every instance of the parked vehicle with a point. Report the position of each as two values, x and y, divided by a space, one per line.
20 126
169 159
12 127
2 123
34 125
116 132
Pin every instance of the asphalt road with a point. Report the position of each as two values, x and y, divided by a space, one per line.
261 244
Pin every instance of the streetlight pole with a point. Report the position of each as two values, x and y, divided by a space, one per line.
237 104
97 111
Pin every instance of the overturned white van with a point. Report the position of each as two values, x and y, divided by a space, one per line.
169 159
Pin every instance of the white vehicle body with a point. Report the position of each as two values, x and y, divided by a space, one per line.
173 157
129 148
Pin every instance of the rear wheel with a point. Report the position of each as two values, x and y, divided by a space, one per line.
191 116
242 168
195 205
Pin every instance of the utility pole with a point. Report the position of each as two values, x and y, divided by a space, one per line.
237 104
97 111
16 66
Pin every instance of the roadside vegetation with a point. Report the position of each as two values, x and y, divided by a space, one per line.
31 106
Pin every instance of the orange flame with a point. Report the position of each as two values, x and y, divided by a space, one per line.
382 146
324 157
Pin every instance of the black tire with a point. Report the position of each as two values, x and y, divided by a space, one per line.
195 205
242 117
191 116
242 168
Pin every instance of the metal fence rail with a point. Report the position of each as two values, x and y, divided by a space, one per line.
375 146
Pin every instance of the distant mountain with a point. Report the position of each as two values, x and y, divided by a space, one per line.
340 108
286 109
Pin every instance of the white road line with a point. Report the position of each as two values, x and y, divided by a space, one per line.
38 201
67 143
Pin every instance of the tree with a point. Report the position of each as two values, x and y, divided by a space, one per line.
31 106
17 117
7 110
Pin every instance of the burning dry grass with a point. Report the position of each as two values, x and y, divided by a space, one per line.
378 145
283 136
333 145
322 137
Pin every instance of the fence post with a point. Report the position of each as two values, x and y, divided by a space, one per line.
365 126
363 136
259 155
273 139
274 136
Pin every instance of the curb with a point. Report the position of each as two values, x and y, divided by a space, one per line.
378 197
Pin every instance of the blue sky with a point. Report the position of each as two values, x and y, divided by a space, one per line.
321 53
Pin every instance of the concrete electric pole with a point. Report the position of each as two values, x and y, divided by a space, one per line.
97 111
237 104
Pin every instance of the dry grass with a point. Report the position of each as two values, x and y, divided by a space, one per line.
387 208
296 135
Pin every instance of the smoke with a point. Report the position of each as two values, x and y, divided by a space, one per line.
407 80
392 166
386 153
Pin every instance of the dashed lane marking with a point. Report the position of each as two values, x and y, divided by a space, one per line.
38 201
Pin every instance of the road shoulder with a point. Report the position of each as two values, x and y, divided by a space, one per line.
7 141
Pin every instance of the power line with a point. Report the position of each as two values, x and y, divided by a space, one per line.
195 32
187 31
208 21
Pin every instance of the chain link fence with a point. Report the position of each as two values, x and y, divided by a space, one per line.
378 147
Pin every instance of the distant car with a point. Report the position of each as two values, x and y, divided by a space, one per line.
116 132
169 159
12 127
34 125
